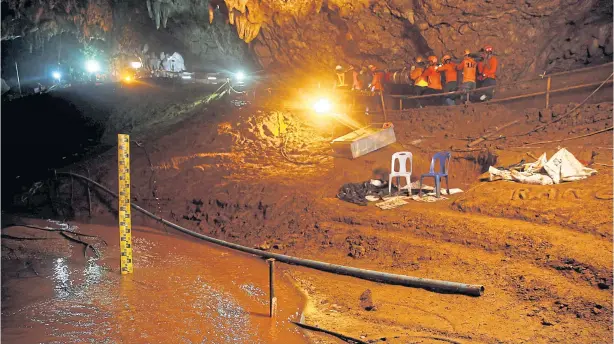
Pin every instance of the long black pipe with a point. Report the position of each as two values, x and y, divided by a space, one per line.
377 276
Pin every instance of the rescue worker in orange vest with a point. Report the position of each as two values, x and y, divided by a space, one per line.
487 70
415 75
449 70
468 67
432 76
377 83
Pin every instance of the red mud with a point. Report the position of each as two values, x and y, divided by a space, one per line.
265 179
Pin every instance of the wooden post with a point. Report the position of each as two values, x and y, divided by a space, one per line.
400 104
272 298
89 195
548 93
381 95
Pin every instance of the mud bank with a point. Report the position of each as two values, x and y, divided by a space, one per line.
266 179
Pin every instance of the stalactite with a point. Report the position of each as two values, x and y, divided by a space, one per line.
149 11
156 10
166 8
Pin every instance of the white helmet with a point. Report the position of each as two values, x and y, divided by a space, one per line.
338 67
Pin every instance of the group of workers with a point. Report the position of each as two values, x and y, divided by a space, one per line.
432 76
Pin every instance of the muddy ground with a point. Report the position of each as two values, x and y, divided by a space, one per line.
267 179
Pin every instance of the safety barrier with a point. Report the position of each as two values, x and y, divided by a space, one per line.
520 89
547 90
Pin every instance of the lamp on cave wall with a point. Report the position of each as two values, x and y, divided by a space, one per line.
56 75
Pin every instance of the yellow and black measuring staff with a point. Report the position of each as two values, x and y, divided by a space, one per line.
125 223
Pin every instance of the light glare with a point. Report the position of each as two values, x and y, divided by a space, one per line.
322 106
136 64
56 75
92 66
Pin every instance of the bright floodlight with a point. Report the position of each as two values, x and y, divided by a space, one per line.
322 106
92 66
240 76
136 64
56 75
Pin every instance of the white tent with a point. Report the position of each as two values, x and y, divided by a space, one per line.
173 63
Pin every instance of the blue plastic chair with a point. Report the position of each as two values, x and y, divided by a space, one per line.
444 164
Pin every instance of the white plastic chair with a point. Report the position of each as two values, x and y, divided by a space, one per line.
402 157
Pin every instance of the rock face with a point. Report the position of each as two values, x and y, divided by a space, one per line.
125 28
312 36
529 36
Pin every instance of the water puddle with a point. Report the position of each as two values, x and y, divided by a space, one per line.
181 291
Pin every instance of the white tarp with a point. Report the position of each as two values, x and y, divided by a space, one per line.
562 167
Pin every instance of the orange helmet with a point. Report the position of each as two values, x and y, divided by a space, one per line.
466 52
419 59
445 58
488 48
433 59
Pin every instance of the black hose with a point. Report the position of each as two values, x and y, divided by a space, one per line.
370 275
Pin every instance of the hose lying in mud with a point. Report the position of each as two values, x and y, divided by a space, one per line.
334 334
376 276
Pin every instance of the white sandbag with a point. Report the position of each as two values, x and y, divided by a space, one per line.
496 174
531 178
564 167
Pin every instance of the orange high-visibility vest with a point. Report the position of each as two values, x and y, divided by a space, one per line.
489 68
433 78
450 70
468 66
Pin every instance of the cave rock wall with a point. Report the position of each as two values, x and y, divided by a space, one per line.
530 36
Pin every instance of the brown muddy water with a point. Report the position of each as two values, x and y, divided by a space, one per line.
182 291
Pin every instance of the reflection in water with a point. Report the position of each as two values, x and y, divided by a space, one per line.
61 276
93 272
